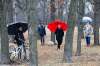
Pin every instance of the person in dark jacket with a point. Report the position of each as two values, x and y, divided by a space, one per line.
19 37
42 33
59 36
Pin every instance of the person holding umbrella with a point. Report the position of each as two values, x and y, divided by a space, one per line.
58 27
88 30
17 29
19 37
59 36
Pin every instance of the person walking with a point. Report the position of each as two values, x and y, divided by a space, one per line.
88 30
59 36
42 33
19 37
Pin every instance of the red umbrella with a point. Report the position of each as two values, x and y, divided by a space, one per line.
52 26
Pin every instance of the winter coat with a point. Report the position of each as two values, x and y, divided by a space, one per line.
59 34
19 37
88 30
41 30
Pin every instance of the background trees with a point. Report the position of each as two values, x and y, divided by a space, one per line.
80 14
25 11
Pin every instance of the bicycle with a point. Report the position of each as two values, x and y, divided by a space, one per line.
17 53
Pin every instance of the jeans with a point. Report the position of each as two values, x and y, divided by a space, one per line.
88 40
42 40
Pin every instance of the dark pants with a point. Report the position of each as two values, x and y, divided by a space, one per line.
42 40
59 43
20 43
88 40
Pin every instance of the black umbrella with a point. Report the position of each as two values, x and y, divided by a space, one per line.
14 28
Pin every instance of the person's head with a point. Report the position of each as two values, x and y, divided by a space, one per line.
59 26
39 25
88 23
20 28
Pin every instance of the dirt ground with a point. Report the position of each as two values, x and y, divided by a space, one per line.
48 54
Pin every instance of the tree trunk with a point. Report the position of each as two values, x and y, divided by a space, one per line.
80 31
10 12
69 34
4 34
96 21
60 9
52 18
19 11
31 5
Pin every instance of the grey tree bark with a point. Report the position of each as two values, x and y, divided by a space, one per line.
3 31
69 35
9 14
31 13
96 21
52 17
19 11
80 30
60 9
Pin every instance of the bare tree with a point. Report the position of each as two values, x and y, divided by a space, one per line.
60 8
96 21
69 34
52 5
32 20
81 4
19 11
3 32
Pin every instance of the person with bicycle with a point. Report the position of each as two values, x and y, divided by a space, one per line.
19 37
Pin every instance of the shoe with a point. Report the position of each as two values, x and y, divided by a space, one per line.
88 45
58 48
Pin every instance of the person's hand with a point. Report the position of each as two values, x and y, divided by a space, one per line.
15 41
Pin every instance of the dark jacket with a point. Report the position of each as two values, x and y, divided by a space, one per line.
19 37
59 34
41 31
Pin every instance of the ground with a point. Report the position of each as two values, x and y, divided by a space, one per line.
48 54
